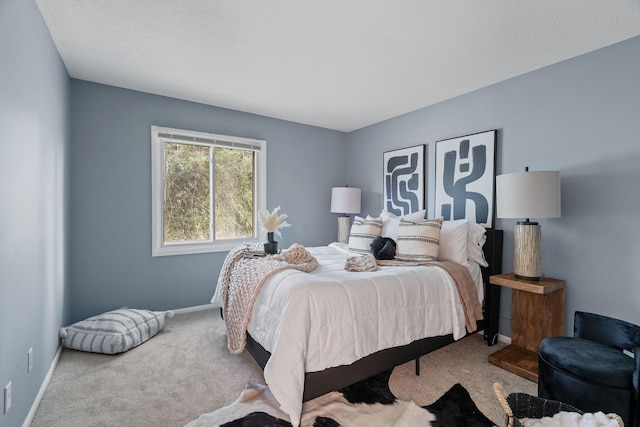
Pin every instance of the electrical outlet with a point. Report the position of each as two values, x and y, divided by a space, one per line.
7 397
29 360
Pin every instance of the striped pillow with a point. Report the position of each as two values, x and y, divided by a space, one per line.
115 331
363 231
418 241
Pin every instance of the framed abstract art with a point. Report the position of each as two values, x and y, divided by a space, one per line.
465 177
404 180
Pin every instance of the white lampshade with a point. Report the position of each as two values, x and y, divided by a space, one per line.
528 195
345 200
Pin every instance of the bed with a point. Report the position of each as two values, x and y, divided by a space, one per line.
304 358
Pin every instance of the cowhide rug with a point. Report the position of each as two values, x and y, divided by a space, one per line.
367 403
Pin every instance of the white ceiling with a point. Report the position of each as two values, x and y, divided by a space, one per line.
338 64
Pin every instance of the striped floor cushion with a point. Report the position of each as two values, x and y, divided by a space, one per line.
115 331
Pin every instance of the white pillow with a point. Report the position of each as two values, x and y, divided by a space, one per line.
453 241
363 231
477 238
418 241
390 222
114 331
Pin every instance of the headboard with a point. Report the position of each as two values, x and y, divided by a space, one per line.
493 254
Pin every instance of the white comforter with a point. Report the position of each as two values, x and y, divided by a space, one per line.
331 317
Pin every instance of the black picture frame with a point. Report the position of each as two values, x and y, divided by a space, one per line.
465 178
404 180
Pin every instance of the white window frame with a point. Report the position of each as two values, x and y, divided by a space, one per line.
159 135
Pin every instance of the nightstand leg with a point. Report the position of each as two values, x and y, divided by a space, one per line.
535 316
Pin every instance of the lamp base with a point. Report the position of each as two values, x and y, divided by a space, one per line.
527 252
344 228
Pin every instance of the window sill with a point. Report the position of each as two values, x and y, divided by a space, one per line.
198 248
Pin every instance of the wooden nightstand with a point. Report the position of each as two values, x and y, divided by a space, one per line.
537 311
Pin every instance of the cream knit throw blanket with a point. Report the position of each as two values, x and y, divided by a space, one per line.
241 280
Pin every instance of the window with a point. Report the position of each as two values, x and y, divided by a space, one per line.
206 191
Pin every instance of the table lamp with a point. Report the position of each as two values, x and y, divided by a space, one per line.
528 195
345 201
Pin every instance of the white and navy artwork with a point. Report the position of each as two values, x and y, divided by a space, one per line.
404 180
465 178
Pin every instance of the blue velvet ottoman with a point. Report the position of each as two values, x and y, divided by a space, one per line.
590 375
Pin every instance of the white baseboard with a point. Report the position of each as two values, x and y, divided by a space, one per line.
43 388
194 309
504 339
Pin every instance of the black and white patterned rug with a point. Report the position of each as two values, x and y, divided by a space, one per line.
367 403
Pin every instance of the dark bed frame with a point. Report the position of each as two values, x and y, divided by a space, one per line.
321 382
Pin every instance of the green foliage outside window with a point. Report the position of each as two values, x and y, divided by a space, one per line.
234 198
187 202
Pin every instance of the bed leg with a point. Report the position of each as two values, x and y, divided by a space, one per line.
417 366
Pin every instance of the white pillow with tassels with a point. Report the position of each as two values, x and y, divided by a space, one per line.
363 231
418 241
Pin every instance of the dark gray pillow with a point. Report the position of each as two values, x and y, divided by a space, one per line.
383 248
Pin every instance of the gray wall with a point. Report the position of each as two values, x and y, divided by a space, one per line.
580 117
110 175
33 159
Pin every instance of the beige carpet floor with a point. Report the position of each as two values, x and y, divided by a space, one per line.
186 370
